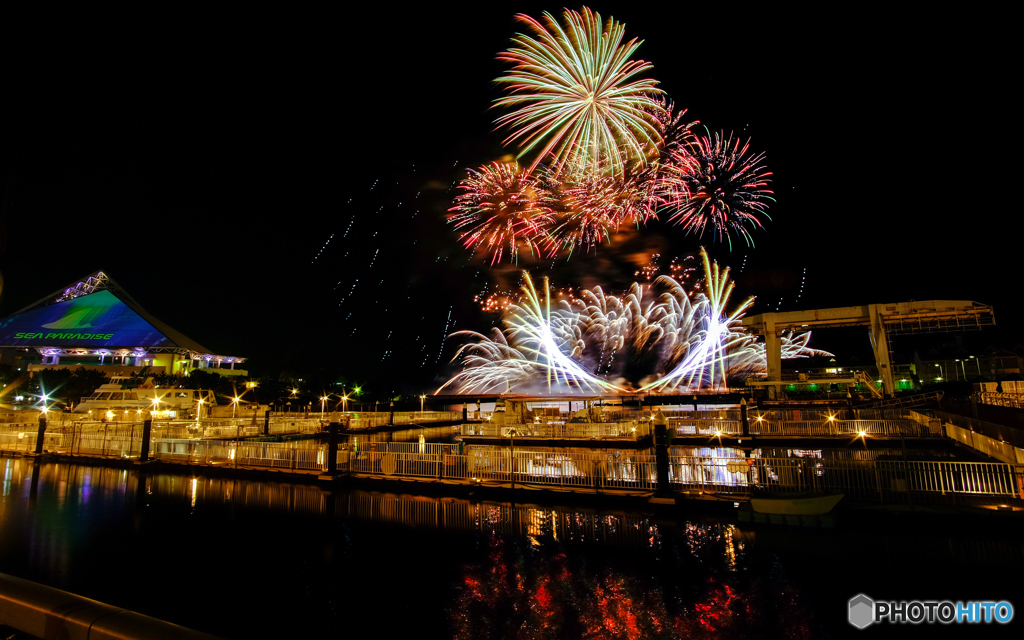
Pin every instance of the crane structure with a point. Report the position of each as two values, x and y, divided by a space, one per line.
882 321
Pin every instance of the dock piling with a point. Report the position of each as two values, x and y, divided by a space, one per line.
332 449
147 430
39 436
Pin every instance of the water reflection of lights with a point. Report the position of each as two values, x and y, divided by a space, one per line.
539 590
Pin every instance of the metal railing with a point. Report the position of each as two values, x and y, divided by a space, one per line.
281 455
905 427
991 447
884 480
862 479
625 430
554 469
45 612
701 427
370 419
1013 435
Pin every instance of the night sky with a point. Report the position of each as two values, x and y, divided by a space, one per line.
274 186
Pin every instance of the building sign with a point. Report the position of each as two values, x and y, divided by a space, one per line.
99 319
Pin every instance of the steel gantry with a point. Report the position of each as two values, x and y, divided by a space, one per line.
882 321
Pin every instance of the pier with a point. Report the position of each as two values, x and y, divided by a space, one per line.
708 455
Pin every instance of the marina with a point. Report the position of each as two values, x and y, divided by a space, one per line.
896 457
111 532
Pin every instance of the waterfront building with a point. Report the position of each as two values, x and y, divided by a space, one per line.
94 323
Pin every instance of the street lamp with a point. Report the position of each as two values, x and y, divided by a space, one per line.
323 403
942 374
344 406
962 368
234 405
422 398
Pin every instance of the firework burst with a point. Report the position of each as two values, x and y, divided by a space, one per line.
575 96
705 351
716 182
501 208
577 342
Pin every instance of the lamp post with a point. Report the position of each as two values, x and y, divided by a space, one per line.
344 406
941 372
963 369
323 403
234 405
422 398
512 455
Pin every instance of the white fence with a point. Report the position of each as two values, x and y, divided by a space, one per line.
626 430
904 427
370 419
885 480
864 479
874 480
989 446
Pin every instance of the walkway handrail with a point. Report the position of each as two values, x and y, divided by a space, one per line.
48 613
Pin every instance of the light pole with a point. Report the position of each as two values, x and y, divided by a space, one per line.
344 406
963 369
512 455
941 373
234 405
422 398
323 403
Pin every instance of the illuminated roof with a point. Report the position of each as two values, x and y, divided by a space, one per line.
95 314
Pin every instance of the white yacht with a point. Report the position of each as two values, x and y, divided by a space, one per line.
113 397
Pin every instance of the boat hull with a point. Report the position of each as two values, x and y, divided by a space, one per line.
813 505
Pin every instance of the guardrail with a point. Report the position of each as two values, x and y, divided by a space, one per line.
709 427
634 472
370 419
45 612
884 480
1013 435
625 430
905 427
280 455
864 479
989 446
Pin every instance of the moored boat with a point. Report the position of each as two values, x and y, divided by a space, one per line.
796 504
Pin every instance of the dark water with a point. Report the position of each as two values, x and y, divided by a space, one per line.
245 559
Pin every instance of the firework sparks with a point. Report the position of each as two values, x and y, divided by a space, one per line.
538 343
575 94
596 206
716 182
585 339
704 359
501 208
